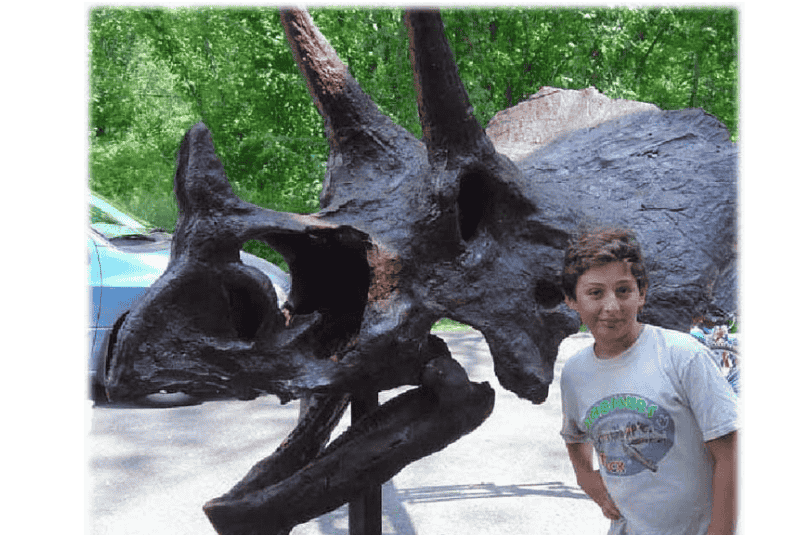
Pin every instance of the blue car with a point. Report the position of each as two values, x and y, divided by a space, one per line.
126 256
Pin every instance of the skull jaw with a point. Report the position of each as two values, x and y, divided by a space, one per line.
412 425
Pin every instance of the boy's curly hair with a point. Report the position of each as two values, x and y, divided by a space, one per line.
597 247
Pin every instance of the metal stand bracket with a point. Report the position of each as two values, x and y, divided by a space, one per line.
365 512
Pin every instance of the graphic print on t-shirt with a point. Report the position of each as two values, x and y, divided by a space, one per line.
630 433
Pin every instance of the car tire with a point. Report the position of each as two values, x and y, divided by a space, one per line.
97 393
97 389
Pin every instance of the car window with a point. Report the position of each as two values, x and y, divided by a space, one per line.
111 222
113 230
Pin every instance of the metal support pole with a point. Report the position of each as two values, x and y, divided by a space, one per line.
366 510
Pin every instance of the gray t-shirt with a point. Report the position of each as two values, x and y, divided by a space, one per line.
648 412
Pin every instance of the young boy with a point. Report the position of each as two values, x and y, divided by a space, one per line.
650 401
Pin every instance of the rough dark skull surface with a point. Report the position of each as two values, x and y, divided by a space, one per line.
669 175
409 232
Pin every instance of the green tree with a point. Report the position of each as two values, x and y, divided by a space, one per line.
156 71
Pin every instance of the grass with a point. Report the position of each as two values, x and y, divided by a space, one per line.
446 324
261 250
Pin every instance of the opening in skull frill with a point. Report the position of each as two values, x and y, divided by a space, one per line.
330 276
548 294
474 203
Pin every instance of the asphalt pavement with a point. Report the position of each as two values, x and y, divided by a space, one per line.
149 471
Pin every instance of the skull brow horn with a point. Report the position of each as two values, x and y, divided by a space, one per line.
324 72
448 124
347 110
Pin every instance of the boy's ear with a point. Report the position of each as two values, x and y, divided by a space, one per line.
642 299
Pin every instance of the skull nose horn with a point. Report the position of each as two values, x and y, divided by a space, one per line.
449 127
202 192
200 180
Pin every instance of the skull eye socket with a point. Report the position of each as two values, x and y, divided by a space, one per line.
475 199
547 294
330 276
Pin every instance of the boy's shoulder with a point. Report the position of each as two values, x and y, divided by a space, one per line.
682 342
676 351
580 352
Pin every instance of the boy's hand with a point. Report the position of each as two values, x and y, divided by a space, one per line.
724 484
580 454
592 484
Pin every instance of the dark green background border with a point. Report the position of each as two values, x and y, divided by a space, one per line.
42 134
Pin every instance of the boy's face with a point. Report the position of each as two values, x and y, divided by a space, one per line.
608 300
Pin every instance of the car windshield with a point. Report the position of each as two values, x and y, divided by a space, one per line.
113 223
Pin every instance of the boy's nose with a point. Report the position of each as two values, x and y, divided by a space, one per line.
611 303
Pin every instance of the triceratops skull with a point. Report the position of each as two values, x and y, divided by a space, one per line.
409 232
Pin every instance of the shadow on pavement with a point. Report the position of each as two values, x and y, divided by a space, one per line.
397 521
553 489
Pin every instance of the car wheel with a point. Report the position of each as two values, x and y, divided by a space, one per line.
98 385
97 393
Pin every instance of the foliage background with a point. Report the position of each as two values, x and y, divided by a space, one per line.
154 72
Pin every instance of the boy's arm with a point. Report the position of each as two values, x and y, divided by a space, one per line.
590 480
723 490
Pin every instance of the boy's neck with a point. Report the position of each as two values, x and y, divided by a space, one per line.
614 348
